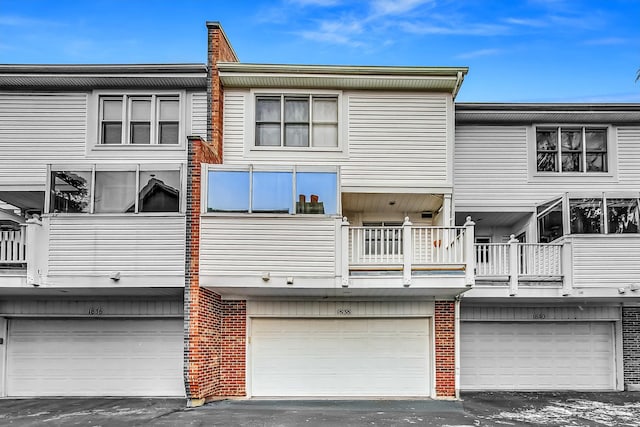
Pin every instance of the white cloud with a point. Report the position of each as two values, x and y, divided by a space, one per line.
321 3
479 53
526 22
336 32
396 7
21 21
607 41
463 29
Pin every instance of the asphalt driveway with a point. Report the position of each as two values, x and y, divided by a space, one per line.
475 409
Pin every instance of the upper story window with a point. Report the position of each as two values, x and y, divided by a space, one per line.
296 120
588 215
571 149
272 191
139 119
104 190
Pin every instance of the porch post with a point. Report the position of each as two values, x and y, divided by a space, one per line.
407 251
470 253
567 268
32 242
513 265
344 270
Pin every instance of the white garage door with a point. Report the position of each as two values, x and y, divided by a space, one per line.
87 357
340 357
537 356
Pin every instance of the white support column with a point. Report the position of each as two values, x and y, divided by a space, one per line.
469 252
34 249
345 252
567 267
513 265
407 251
447 217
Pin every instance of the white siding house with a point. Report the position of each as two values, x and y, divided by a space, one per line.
554 191
93 159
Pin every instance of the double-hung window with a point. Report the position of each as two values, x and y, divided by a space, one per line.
296 120
139 119
571 149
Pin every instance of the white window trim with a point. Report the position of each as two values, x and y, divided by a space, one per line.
129 167
564 201
579 177
94 128
204 192
250 149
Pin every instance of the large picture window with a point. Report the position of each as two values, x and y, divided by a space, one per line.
296 121
116 191
139 119
588 215
571 149
277 191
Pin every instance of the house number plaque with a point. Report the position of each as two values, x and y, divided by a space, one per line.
344 312
96 311
539 316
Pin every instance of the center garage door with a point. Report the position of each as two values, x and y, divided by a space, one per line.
90 357
537 356
340 357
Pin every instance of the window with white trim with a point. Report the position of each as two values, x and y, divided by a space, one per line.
139 119
566 149
272 191
588 215
296 120
98 189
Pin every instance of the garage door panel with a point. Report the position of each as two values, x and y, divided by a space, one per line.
94 357
538 356
339 357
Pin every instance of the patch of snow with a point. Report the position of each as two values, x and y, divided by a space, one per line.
99 412
574 410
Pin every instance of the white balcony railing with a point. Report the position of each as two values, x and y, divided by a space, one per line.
12 247
524 261
408 248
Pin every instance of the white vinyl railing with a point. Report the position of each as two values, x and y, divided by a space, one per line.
375 245
537 259
438 245
492 259
12 247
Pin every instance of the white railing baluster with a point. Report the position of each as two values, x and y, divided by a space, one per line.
12 247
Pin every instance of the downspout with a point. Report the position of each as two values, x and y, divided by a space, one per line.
459 80
457 345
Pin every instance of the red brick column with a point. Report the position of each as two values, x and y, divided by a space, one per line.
234 332
214 351
445 326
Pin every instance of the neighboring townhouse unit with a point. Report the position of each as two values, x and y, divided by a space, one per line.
554 191
93 184
323 258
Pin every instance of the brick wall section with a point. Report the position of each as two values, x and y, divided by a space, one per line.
210 369
445 325
631 346
234 332
202 307
219 50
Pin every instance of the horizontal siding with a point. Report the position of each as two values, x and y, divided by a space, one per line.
629 155
240 246
393 140
606 261
501 313
36 129
397 140
83 306
198 114
336 308
132 245
492 168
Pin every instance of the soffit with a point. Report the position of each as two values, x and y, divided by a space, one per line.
435 79
88 77
547 113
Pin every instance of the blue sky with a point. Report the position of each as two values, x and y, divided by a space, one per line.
517 51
